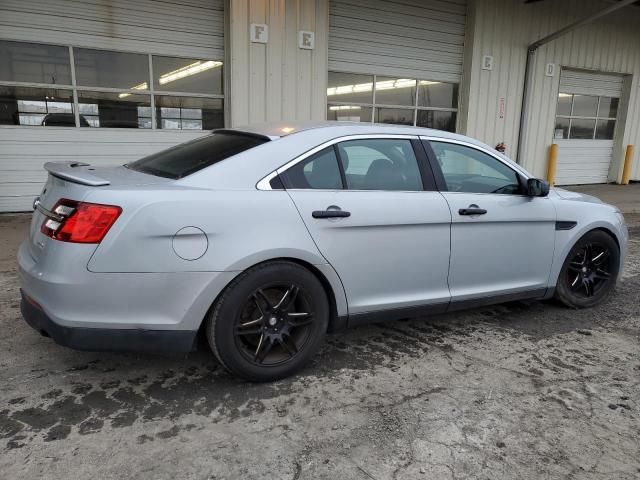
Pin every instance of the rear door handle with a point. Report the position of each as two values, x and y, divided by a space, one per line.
472 209
330 214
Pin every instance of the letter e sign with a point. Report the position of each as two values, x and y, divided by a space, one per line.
259 33
306 40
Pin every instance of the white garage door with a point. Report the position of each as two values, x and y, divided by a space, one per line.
396 61
586 115
103 82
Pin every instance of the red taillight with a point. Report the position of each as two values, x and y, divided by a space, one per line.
80 222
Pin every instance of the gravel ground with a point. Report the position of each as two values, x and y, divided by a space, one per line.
519 390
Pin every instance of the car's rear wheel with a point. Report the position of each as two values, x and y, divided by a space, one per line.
590 271
269 321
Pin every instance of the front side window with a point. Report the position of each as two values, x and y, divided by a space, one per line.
466 169
400 101
380 164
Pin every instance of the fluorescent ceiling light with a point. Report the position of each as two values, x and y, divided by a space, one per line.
187 71
382 85
564 95
140 86
344 107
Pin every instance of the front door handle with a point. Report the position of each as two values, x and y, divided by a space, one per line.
472 209
330 213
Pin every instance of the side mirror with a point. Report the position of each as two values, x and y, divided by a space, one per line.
537 188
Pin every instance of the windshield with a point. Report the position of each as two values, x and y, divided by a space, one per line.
187 158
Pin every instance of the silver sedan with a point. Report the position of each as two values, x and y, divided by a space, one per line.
263 239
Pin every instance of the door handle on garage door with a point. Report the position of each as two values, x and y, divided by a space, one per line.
330 213
472 209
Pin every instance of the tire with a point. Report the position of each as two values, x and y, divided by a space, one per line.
589 272
269 322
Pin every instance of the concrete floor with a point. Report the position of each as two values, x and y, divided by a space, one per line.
520 390
625 197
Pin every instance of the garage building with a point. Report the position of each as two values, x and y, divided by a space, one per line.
108 81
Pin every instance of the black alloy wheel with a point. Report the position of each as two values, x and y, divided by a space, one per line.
269 322
590 271
275 324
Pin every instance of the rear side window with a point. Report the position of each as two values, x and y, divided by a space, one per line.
187 158
319 171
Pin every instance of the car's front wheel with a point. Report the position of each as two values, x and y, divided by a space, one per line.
590 271
269 321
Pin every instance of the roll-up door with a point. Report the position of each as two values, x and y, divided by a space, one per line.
407 38
586 116
396 61
103 82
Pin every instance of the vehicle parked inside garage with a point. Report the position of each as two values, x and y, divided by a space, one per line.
264 238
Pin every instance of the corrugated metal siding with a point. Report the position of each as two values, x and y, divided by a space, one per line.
186 28
590 83
407 38
504 28
24 150
278 80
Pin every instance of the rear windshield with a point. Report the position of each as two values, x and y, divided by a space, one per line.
187 158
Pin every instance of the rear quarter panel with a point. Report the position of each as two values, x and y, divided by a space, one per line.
242 228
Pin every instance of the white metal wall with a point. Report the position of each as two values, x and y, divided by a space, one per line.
277 80
407 38
504 28
185 28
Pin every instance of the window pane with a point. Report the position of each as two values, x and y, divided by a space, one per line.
350 87
99 68
608 107
187 75
605 129
319 171
395 91
438 120
189 157
36 106
189 113
561 130
585 106
397 116
380 164
114 110
466 169
582 129
349 113
564 104
437 94
32 62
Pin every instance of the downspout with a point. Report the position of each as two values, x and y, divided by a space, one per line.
528 71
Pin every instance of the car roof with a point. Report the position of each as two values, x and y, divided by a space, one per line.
275 130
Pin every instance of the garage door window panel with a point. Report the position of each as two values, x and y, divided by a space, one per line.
189 113
34 63
466 169
393 100
380 164
36 106
585 117
113 110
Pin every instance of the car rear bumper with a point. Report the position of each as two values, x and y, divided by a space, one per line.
106 339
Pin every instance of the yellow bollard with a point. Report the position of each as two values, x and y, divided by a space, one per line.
553 160
626 172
